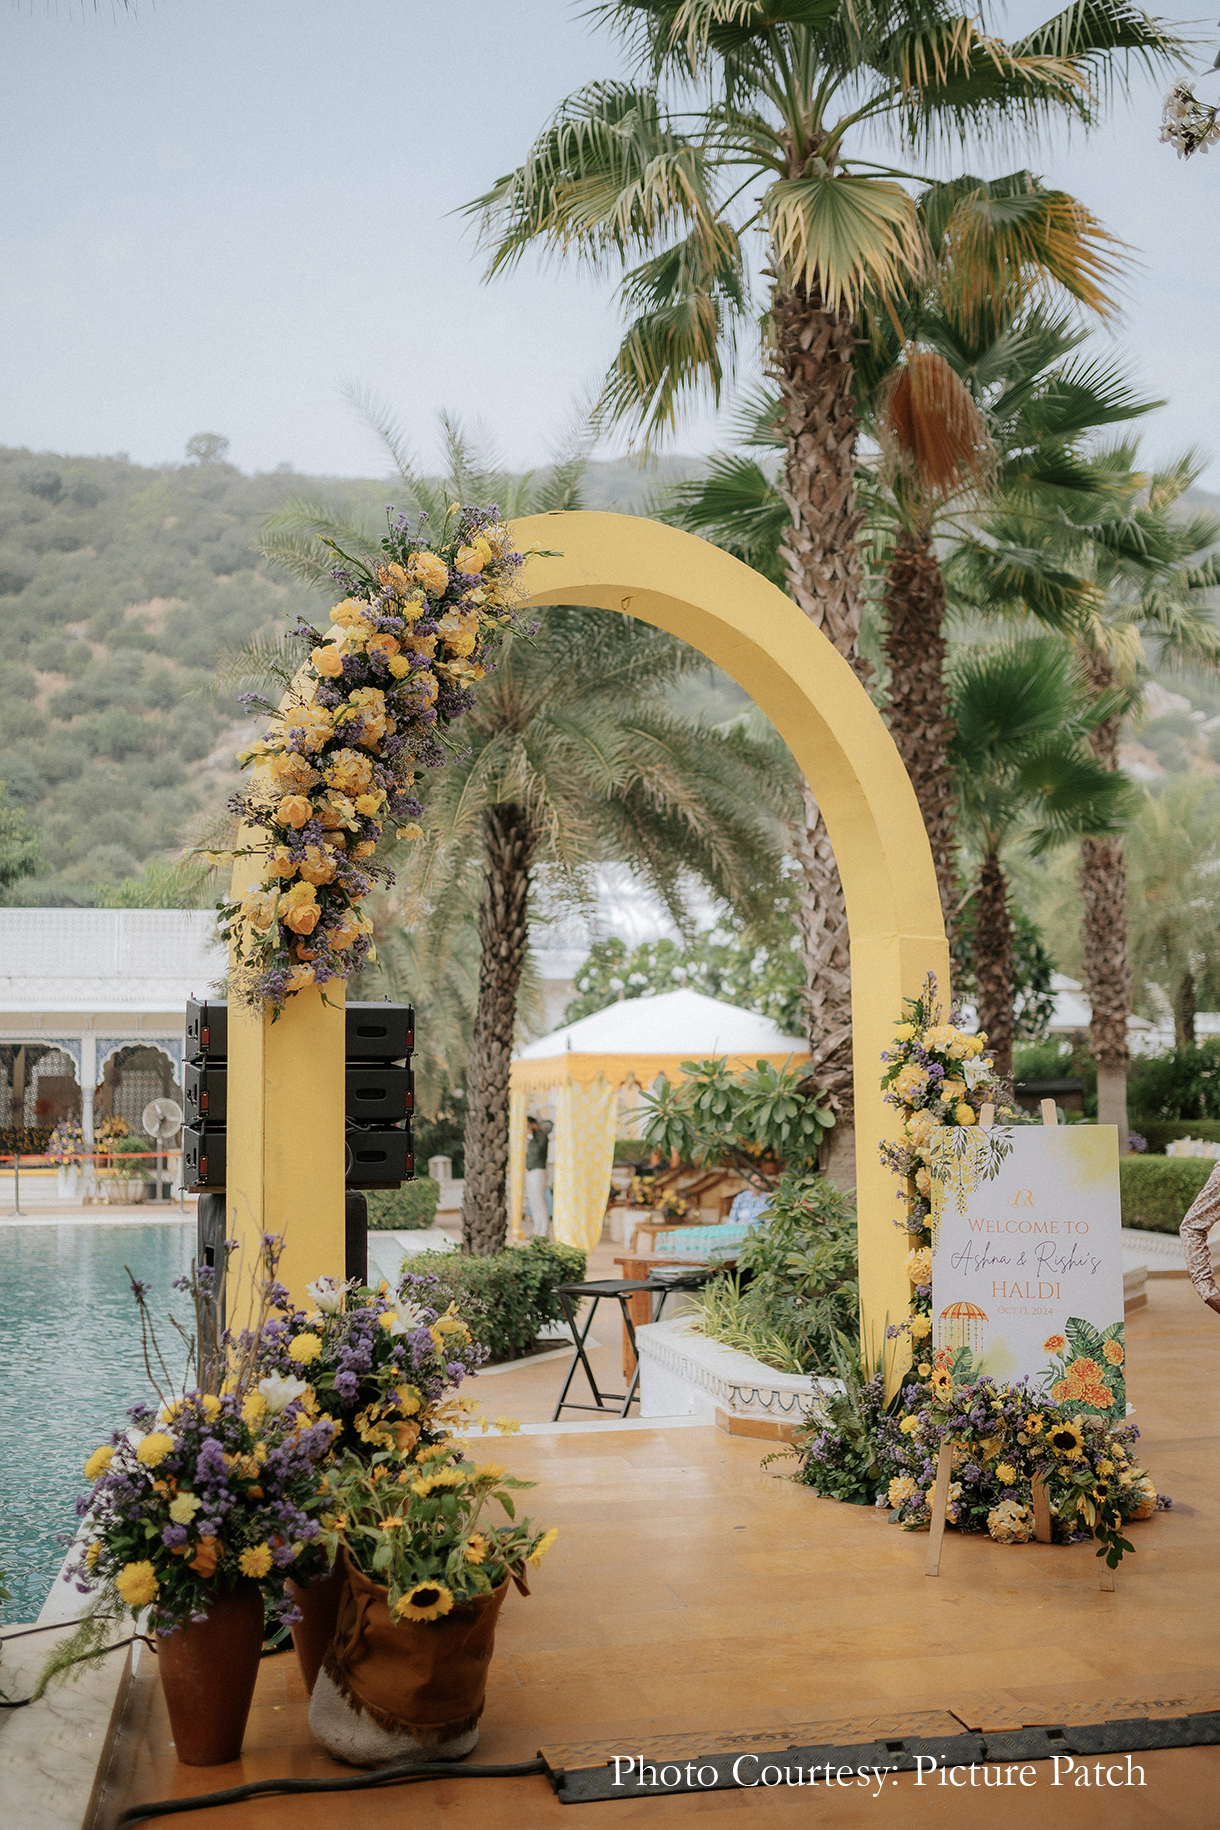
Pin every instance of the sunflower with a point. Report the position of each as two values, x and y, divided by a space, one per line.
475 1549
1066 1439
426 1601
942 1380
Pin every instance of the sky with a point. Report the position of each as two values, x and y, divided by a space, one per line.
220 213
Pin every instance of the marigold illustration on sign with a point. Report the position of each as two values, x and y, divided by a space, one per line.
1027 1278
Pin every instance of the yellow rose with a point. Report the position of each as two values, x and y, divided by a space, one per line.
293 811
919 1265
305 1349
313 723
300 978
137 1584
391 577
474 557
351 614
294 772
384 644
328 661
299 910
365 848
154 1448
98 1462
279 864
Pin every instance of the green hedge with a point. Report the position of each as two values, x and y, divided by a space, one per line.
1157 1190
404 1210
507 1298
1162 1131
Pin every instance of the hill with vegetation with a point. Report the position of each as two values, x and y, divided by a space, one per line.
120 586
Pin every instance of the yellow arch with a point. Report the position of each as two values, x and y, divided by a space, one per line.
750 629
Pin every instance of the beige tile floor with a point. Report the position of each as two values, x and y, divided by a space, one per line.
692 1594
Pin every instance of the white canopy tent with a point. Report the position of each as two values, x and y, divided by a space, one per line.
632 1042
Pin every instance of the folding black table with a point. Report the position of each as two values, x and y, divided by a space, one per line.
620 1289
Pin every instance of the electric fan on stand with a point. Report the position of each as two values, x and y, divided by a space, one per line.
162 1120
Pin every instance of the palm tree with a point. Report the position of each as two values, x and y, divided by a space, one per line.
1025 776
747 115
1120 566
1173 860
575 755
571 754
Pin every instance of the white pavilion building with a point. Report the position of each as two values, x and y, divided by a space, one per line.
92 1003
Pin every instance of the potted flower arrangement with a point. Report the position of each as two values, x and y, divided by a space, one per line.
383 1370
196 1509
65 1149
426 1570
122 1180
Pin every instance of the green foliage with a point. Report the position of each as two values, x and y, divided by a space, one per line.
756 965
408 1209
841 1453
801 1297
189 885
506 1298
1184 1083
1157 1132
20 844
1157 1190
758 1122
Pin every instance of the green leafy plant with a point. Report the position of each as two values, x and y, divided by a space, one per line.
505 1298
755 1122
798 1295
408 1209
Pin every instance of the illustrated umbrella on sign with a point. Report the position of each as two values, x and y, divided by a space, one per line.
961 1325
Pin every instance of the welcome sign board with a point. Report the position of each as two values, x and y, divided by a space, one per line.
1027 1275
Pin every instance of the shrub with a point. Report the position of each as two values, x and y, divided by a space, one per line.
506 1298
408 1209
802 1294
1161 1131
1157 1190
1184 1084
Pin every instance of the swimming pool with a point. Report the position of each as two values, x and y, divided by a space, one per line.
70 1365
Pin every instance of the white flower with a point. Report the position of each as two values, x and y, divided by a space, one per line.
406 1318
329 1295
976 1070
280 1392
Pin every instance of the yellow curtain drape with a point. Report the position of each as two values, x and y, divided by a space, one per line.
517 1101
585 1124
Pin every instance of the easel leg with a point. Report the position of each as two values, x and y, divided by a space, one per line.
940 1507
1106 1582
1042 1511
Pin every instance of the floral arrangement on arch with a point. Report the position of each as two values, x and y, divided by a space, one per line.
1187 124
936 1076
417 628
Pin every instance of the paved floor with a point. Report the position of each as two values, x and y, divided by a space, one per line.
692 1594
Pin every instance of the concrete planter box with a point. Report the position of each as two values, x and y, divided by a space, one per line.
682 1374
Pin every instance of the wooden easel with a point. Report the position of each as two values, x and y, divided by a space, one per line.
944 1461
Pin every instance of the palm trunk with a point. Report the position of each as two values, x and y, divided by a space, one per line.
814 359
1184 1012
919 705
509 841
1107 966
993 962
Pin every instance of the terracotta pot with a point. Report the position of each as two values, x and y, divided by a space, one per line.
412 1690
208 1671
319 1605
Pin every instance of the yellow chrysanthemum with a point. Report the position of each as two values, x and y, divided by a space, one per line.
137 1583
921 1327
1005 1473
98 1462
965 1115
253 1409
256 1561
432 573
305 1349
426 1601
153 1450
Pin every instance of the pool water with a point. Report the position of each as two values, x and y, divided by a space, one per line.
70 1365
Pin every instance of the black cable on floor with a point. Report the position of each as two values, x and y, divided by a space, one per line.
358 1782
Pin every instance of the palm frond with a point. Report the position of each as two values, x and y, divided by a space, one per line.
845 237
